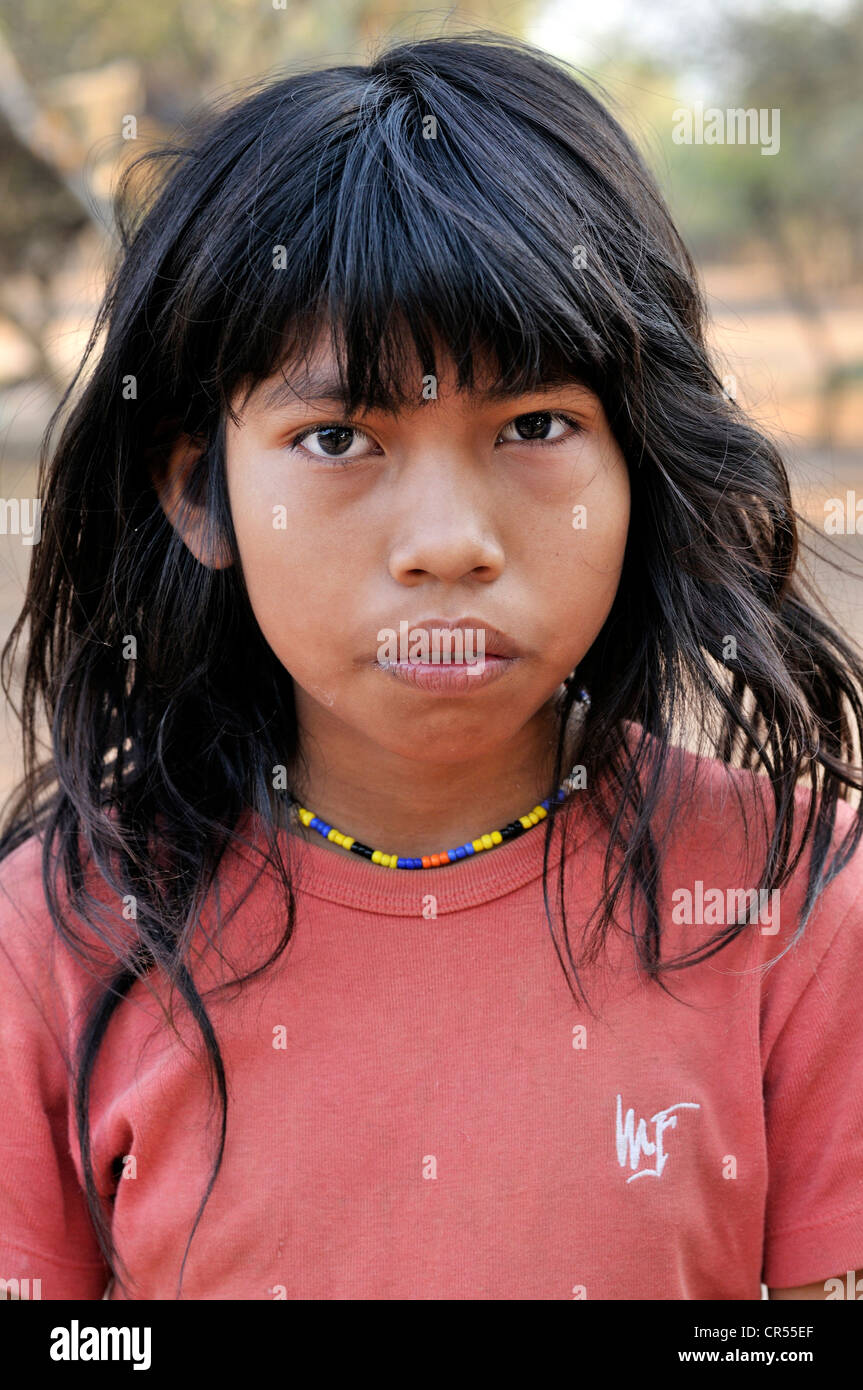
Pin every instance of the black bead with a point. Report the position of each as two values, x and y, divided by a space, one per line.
513 830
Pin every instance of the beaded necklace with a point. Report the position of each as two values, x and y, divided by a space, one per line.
449 856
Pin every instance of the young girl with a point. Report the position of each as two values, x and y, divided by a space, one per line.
444 883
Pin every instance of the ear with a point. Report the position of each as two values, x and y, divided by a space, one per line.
171 476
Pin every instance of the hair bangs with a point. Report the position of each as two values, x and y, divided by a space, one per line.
416 260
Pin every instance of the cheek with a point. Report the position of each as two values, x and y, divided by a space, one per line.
292 524
296 585
580 571
600 532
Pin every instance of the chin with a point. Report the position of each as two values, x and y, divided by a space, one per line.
429 742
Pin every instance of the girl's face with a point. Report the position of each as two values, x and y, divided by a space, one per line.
503 513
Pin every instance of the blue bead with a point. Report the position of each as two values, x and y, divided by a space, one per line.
451 855
545 804
403 863
460 852
417 863
469 849
561 794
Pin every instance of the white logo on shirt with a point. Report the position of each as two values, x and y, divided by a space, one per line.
637 1142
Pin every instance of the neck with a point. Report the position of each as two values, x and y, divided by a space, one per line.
412 808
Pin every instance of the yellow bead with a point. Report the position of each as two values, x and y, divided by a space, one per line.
304 815
541 812
332 835
533 818
347 841
496 837
487 841
376 857
477 844
394 861
525 821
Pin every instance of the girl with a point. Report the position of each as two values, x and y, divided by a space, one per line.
372 932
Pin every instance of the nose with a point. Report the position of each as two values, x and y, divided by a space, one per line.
444 527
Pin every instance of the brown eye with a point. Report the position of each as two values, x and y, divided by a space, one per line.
537 425
333 441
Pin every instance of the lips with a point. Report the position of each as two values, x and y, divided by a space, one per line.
497 643
454 678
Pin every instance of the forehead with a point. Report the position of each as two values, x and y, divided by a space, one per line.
316 379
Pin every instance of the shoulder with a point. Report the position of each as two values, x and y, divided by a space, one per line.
712 829
699 797
38 965
704 804
25 920
32 993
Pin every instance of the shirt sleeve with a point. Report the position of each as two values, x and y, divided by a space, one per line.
812 1040
45 1230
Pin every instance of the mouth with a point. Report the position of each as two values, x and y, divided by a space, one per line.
464 640
445 657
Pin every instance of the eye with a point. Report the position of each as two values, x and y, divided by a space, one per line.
336 441
535 426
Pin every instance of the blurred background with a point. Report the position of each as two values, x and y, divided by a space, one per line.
86 86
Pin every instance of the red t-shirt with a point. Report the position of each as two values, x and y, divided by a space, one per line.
420 1109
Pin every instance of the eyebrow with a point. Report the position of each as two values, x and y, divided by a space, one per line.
322 385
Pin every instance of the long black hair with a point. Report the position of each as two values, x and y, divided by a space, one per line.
471 192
